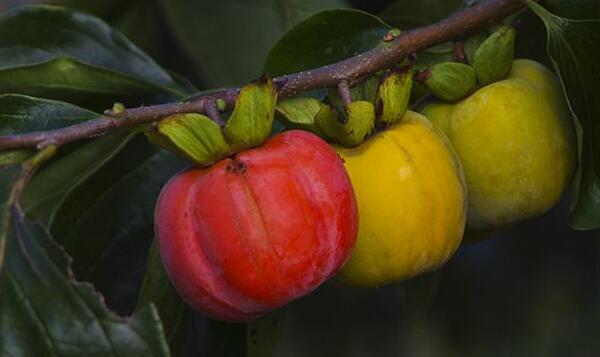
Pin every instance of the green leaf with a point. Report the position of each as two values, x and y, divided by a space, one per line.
324 38
228 40
21 114
59 53
574 47
45 313
408 14
157 289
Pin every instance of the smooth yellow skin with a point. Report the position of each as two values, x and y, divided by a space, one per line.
516 142
411 203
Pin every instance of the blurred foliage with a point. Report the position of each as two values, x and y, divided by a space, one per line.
343 33
528 290
228 40
408 14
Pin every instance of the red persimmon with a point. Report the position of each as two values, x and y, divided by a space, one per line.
258 230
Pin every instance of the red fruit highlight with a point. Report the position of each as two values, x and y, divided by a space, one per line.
254 232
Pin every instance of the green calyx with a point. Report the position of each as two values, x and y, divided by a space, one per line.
472 45
194 136
494 57
360 121
252 118
349 124
449 81
394 95
202 140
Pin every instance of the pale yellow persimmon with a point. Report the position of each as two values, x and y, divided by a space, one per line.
516 142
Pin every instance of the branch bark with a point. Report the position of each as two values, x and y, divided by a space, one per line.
457 26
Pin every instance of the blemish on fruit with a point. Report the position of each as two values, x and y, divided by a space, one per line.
236 166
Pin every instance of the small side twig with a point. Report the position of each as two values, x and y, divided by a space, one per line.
459 51
344 90
210 107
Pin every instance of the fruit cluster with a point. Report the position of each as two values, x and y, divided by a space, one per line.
368 192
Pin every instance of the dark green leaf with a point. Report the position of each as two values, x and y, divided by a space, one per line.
52 185
574 46
531 39
100 8
228 40
57 52
324 38
174 313
106 224
68 78
574 9
9 176
408 14
45 313
21 114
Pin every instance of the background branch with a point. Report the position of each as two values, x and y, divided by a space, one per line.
454 27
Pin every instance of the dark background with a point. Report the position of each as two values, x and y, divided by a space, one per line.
532 289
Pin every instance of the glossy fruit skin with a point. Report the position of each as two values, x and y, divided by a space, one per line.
516 142
411 201
254 232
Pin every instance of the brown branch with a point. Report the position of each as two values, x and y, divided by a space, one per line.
457 26
344 90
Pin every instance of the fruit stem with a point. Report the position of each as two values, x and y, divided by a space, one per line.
459 51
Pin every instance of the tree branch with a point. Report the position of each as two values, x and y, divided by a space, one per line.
457 26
